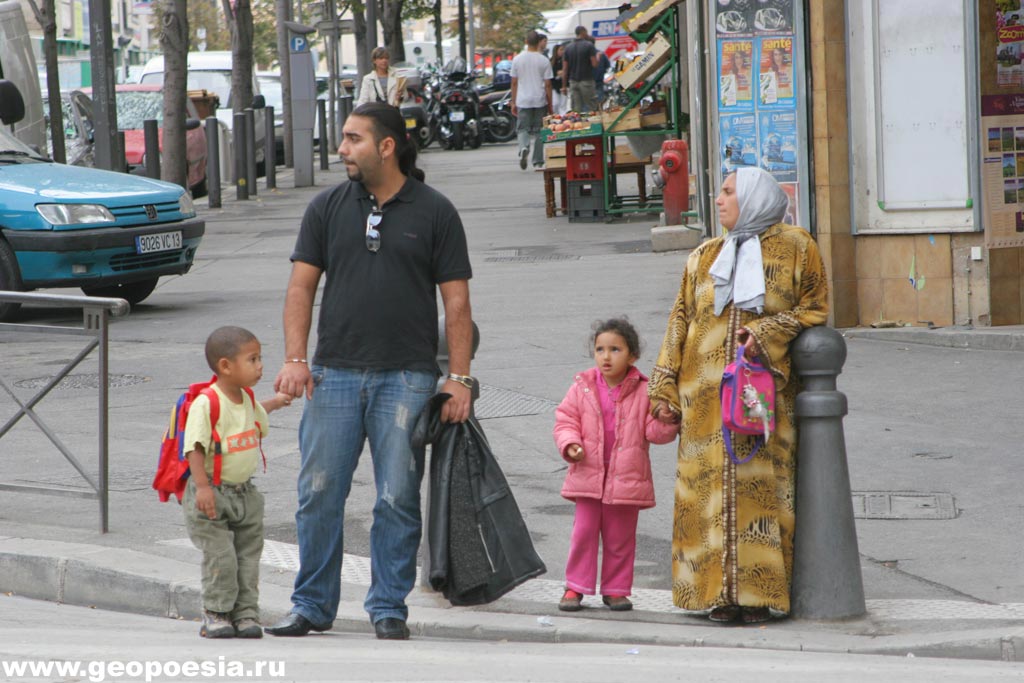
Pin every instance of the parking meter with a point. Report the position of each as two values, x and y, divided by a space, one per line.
303 100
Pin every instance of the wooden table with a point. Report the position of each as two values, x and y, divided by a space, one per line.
552 174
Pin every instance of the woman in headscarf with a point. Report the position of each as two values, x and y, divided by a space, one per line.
759 285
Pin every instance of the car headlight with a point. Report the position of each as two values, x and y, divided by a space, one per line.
71 214
185 204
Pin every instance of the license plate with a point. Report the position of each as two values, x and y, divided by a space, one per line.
161 241
457 116
410 123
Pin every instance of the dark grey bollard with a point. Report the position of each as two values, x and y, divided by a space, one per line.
250 150
827 582
238 135
321 113
151 139
212 163
270 150
122 151
344 109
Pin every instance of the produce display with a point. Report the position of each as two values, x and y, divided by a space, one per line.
559 123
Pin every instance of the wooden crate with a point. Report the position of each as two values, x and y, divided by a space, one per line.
629 121
658 52
641 18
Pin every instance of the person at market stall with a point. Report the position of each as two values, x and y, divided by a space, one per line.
531 97
578 74
759 285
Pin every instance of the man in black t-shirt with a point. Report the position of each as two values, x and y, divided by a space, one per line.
383 241
578 74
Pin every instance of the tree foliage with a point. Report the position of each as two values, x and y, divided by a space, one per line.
503 23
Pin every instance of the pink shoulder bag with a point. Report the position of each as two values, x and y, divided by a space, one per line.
748 403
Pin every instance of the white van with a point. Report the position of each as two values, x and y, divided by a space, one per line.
18 65
212 71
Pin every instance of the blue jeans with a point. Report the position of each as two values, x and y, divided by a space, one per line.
529 121
347 407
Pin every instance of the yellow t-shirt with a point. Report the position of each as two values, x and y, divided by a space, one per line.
239 440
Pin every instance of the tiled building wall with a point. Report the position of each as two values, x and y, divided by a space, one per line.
831 156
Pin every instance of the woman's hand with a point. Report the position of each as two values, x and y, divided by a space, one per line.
744 337
664 413
574 452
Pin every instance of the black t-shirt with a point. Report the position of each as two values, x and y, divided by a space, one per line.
577 60
379 310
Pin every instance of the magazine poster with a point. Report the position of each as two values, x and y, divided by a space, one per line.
1002 170
1009 44
735 89
739 142
775 73
792 191
778 138
747 17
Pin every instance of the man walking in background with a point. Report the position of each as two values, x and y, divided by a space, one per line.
578 74
531 96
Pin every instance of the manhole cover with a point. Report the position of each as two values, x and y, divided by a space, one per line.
498 402
82 381
903 505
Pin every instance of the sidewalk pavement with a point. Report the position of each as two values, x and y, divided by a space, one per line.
139 572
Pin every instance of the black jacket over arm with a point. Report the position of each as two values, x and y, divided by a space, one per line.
479 545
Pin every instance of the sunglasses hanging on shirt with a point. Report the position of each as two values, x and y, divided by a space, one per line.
372 233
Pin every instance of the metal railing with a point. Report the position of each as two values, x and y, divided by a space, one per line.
96 314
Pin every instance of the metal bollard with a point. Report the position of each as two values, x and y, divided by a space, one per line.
344 109
321 113
212 163
122 153
238 133
151 138
270 150
827 582
250 150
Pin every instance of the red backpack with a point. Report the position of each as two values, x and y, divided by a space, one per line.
172 469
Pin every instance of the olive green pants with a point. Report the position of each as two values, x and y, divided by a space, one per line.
232 544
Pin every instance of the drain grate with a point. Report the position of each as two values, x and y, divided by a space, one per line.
86 381
532 259
498 402
903 505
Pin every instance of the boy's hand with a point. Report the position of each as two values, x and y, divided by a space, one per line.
663 413
206 502
279 401
574 452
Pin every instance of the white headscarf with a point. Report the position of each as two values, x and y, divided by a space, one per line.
738 272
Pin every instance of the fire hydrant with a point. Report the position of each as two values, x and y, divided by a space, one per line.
674 176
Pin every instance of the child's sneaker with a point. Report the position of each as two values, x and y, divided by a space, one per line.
216 625
571 601
248 628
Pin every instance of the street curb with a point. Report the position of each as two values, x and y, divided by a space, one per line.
990 339
123 580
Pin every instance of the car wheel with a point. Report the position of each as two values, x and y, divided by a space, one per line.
10 279
132 292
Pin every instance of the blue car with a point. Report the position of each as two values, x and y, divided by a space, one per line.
111 234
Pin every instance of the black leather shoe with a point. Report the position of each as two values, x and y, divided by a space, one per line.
391 628
296 625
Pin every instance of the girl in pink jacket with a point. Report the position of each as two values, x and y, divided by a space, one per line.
603 429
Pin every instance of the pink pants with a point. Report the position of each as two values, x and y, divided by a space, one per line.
614 528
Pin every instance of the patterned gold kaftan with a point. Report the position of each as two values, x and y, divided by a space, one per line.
732 537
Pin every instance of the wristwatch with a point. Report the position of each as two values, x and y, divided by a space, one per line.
464 380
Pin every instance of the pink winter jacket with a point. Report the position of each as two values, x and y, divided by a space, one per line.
578 420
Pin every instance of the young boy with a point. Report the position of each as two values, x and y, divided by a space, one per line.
226 521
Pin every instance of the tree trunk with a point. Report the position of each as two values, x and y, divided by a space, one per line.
174 44
391 20
240 23
363 65
438 26
47 19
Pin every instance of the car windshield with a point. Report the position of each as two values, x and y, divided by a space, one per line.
215 81
135 107
270 88
12 145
